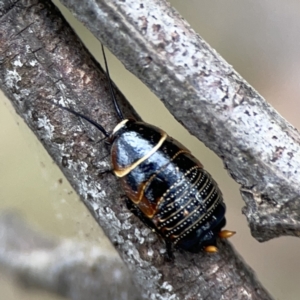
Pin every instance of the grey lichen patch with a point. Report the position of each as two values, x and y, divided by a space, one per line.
87 187
139 236
12 78
164 296
106 215
17 62
21 95
166 286
45 124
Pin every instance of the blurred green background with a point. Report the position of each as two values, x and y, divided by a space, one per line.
261 40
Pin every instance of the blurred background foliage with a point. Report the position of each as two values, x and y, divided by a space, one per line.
261 40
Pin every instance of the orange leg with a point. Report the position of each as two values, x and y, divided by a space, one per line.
211 249
224 234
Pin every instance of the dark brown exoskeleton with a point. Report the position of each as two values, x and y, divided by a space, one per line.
168 187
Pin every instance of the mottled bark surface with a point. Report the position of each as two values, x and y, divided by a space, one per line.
204 93
42 59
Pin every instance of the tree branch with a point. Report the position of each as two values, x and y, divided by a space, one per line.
41 58
259 148
68 268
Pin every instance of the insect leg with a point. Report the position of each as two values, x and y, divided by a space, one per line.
226 234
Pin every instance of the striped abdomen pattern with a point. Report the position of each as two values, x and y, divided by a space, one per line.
168 185
187 205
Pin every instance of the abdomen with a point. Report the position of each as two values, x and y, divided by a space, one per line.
172 189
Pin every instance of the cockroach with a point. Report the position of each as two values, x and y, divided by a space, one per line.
168 188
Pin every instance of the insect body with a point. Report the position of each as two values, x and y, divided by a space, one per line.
167 185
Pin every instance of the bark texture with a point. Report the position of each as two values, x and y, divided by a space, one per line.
65 267
41 58
259 148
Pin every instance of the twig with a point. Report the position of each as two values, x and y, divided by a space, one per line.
42 59
68 268
259 148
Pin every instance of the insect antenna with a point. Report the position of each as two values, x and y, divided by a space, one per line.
117 108
78 114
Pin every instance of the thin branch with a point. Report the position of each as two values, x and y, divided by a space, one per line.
41 58
259 148
68 268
